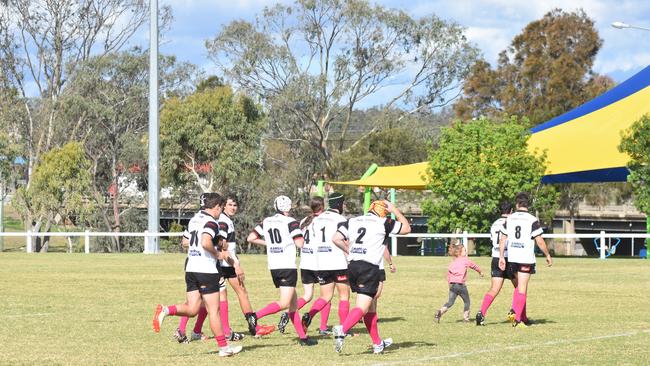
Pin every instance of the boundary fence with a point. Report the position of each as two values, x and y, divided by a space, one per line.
464 236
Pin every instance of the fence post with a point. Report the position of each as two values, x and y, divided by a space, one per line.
465 241
393 246
87 242
146 242
603 254
28 242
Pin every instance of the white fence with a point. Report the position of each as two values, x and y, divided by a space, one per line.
464 236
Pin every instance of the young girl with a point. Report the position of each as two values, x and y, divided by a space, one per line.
456 276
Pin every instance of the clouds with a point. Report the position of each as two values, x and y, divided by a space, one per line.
490 24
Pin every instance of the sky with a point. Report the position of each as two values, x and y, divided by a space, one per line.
490 25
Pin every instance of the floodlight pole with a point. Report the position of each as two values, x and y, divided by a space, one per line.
153 182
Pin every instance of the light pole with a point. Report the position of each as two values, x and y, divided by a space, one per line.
622 25
153 220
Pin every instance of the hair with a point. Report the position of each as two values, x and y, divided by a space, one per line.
455 248
232 197
213 200
335 201
317 204
522 199
505 207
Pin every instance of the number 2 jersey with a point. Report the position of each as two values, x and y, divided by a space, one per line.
367 235
278 232
521 228
198 259
319 252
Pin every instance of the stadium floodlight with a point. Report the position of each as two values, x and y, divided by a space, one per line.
622 25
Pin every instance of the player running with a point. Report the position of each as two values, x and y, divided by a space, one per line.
201 273
319 230
521 232
498 276
281 235
363 238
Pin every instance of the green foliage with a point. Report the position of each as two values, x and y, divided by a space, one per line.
8 154
477 165
210 138
636 143
60 186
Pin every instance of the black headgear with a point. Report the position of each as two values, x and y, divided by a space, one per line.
335 201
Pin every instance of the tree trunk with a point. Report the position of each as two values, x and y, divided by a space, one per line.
46 239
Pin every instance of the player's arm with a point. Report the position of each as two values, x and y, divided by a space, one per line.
206 243
185 240
389 259
542 245
502 247
406 227
256 236
340 241
296 234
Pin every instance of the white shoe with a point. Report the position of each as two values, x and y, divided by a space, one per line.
339 337
198 336
229 350
379 348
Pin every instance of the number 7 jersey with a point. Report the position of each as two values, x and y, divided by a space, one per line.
367 235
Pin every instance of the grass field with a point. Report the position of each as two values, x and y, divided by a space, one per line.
76 309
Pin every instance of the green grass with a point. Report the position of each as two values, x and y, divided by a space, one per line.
76 309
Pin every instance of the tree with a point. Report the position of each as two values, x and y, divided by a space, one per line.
477 165
546 71
312 62
60 188
209 138
44 43
106 100
635 142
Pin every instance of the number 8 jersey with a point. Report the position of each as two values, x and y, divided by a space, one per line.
367 235
278 232
521 228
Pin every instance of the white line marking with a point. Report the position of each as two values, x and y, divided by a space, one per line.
23 315
510 348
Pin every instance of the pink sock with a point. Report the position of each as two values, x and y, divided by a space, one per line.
324 316
344 309
271 308
353 318
223 314
370 320
318 305
221 340
297 324
487 301
171 310
182 325
301 302
524 317
198 326
519 305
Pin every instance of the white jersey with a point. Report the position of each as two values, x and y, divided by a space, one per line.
322 230
230 238
367 235
308 259
521 228
495 235
198 259
278 232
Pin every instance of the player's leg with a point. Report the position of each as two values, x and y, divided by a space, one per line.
326 293
495 288
289 298
189 308
212 305
244 303
520 295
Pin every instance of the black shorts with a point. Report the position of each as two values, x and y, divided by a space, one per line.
205 283
284 277
497 272
364 277
335 275
382 275
308 276
520 267
227 272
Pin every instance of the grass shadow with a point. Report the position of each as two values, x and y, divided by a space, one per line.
393 319
398 345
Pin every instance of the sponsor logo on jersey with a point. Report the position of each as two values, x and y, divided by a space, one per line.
307 250
324 249
276 250
194 253
359 250
516 245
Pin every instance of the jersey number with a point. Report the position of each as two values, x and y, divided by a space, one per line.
194 240
517 232
274 235
361 232
323 232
